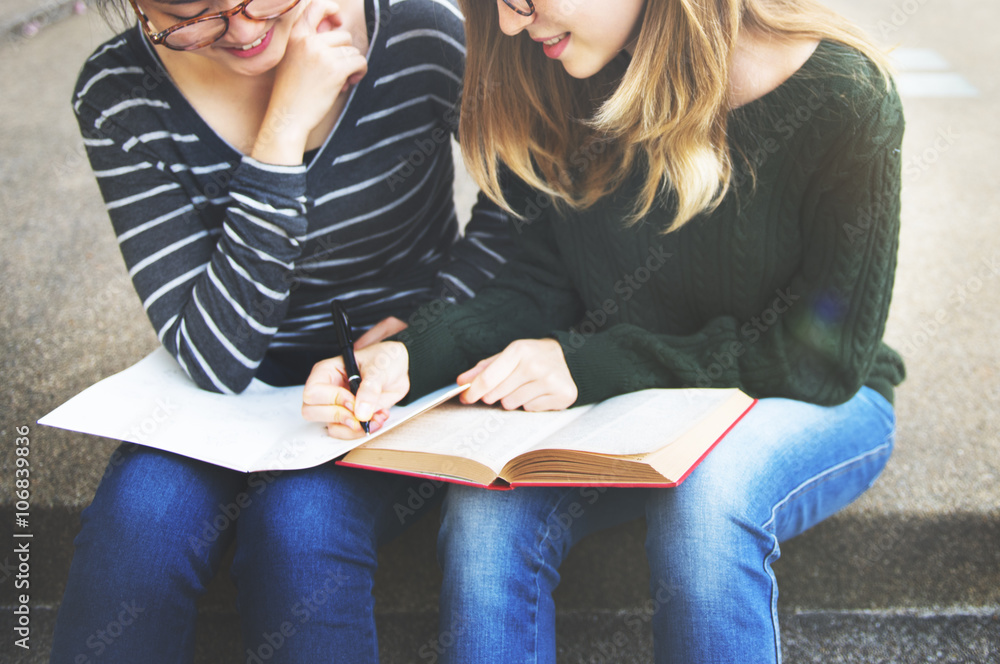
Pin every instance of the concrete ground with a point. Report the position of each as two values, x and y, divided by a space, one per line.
909 573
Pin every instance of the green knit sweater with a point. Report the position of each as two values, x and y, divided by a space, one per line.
782 291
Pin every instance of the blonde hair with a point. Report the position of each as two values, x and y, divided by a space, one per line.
666 110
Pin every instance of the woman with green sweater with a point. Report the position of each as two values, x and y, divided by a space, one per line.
708 195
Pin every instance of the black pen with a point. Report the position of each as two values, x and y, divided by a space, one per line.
347 347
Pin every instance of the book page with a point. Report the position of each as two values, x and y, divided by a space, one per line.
487 434
636 423
398 415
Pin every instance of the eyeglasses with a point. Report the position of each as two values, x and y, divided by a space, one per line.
204 30
522 7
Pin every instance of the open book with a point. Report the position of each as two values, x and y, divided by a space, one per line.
654 437
647 438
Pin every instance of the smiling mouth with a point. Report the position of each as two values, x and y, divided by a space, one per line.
255 44
556 39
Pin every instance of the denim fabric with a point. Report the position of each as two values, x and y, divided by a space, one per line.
158 527
710 542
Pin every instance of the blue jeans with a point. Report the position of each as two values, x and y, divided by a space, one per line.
305 556
710 542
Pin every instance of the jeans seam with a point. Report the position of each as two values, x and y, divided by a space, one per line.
801 491
807 485
825 475
540 562
768 567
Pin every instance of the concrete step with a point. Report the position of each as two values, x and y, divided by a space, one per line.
849 562
622 637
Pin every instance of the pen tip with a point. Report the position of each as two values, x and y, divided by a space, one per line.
366 428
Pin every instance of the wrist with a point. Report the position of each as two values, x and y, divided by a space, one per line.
397 354
279 142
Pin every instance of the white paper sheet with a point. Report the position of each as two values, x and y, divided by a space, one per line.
154 403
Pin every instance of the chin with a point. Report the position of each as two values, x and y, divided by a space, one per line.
583 68
257 66
577 71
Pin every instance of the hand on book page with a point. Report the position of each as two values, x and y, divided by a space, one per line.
327 396
530 373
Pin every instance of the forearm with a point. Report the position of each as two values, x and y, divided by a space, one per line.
485 247
445 340
214 287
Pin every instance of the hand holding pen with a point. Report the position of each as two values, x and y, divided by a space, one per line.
380 381
343 326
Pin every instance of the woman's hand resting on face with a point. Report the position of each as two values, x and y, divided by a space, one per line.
530 373
320 62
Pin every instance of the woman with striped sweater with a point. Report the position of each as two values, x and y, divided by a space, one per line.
258 161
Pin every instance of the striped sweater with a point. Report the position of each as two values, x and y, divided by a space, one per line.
235 261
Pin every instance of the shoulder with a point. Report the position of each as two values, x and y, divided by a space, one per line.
401 17
111 66
855 95
119 74
839 104
420 35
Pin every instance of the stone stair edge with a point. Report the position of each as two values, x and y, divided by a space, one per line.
25 24
854 561
594 636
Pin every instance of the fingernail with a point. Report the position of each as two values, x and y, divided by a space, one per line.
363 412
